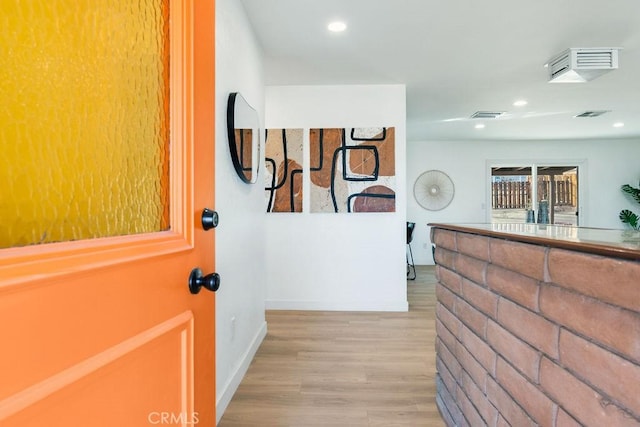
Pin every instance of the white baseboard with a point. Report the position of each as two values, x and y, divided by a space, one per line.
338 305
224 396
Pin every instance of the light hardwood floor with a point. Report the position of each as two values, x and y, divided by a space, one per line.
318 368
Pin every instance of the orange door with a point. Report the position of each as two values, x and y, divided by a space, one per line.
105 332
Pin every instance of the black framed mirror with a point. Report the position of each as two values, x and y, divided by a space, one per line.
243 131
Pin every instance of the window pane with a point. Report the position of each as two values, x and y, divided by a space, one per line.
558 195
84 119
511 194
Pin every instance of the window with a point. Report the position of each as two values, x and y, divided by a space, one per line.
541 193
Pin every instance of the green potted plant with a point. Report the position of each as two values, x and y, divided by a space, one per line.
627 216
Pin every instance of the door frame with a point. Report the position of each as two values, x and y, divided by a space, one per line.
534 164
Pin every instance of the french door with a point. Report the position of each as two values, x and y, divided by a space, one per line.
543 193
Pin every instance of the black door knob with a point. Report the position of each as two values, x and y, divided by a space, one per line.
197 280
209 219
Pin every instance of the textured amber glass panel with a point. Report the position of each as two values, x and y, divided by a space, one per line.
84 134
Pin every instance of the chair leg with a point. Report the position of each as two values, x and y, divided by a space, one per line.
411 267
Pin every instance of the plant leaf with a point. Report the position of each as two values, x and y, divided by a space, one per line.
634 192
628 217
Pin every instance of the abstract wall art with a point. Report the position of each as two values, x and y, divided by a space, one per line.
283 164
352 169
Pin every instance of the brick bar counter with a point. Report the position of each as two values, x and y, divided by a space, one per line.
537 325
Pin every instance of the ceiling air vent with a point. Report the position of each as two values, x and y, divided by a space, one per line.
487 114
594 113
578 65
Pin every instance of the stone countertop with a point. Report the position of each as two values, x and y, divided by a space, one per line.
600 241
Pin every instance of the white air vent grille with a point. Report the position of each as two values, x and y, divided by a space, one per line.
559 65
594 113
487 114
595 59
578 65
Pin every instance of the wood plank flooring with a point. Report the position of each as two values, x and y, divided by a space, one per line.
318 368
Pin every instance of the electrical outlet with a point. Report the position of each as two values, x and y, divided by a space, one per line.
233 327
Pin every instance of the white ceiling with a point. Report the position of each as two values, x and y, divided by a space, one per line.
457 57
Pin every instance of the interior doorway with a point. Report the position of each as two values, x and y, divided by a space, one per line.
544 194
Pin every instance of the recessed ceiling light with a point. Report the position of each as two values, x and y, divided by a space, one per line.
520 103
480 126
618 125
337 26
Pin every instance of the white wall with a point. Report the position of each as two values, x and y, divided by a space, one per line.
319 261
607 164
240 249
